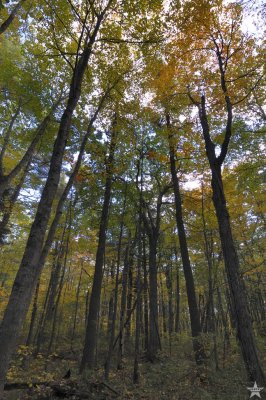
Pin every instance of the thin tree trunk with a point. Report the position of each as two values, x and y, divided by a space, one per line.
33 314
190 286
169 285
91 331
129 300
76 308
111 299
237 288
154 341
236 284
145 296
119 250
61 283
177 296
121 343
231 260
40 331
136 375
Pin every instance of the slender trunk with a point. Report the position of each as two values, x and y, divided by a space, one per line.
76 309
33 314
121 344
190 286
231 260
61 283
39 337
145 296
55 279
87 306
136 375
154 339
111 300
91 331
119 249
113 321
51 295
236 284
177 296
209 323
169 285
163 309
129 300
55 319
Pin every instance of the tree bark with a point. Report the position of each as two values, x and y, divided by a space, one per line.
119 250
91 331
232 266
169 285
190 286
76 308
236 284
154 341
28 273
121 343
33 314
9 209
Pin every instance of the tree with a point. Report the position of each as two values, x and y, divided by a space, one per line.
27 275
91 331
224 42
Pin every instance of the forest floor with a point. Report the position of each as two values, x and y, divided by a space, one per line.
173 376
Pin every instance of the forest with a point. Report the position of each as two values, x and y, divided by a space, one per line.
132 188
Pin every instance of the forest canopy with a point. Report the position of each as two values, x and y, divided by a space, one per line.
132 205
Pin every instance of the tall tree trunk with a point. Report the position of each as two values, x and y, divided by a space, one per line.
145 296
231 260
76 308
61 283
33 314
236 284
190 286
39 337
129 300
91 331
121 343
152 227
28 273
237 288
169 285
119 250
51 294
136 375
154 339
177 296
111 299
